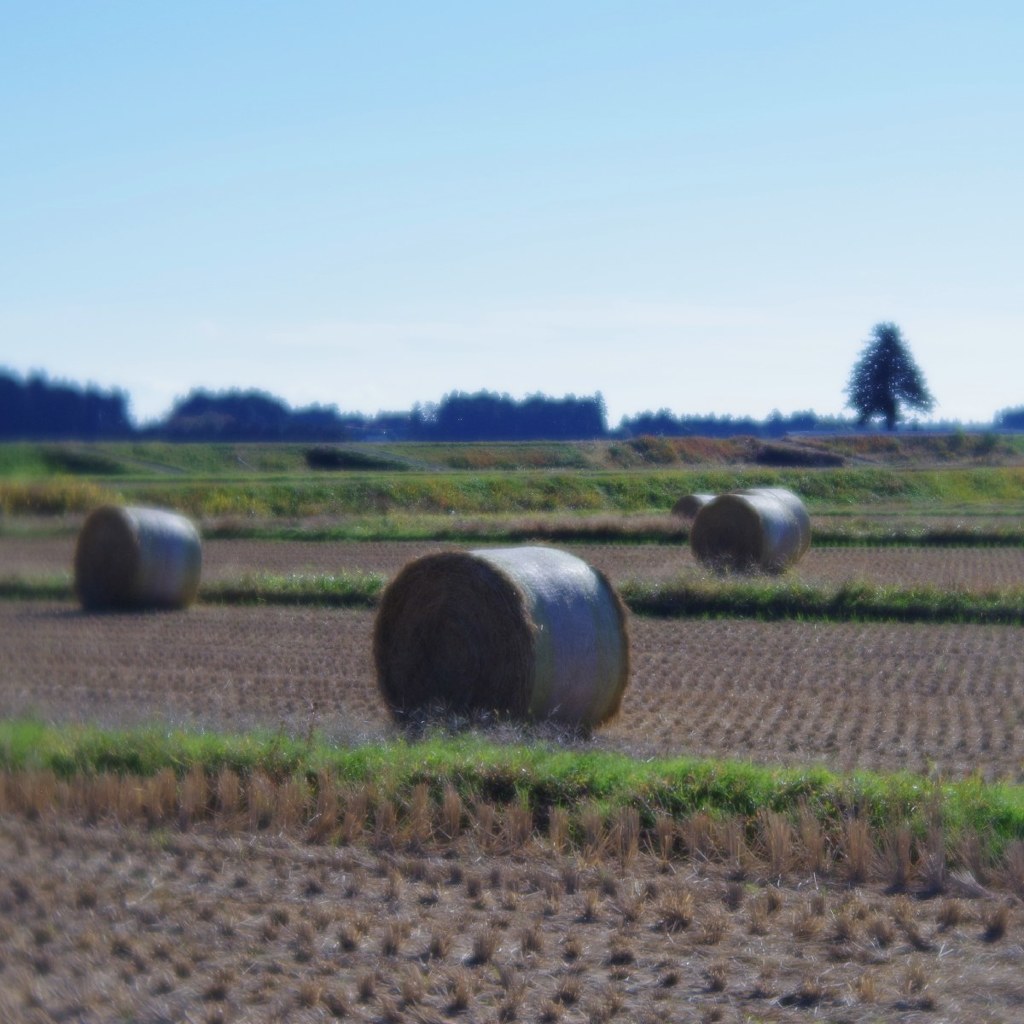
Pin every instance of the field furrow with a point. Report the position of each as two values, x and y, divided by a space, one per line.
967 569
884 697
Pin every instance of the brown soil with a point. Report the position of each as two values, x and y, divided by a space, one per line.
945 568
886 697
106 923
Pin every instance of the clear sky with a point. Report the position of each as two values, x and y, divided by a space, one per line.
691 205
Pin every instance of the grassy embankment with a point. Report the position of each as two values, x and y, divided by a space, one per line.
545 779
503 493
526 492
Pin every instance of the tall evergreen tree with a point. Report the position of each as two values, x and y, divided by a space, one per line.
886 377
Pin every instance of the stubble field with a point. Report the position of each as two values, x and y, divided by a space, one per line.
949 568
113 922
108 923
919 698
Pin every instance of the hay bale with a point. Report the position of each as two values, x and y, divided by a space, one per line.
528 633
760 529
796 507
137 558
690 504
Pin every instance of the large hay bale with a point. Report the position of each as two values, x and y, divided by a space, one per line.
137 558
796 507
760 529
528 632
690 504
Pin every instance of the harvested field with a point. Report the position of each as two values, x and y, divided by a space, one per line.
886 697
977 569
228 920
107 923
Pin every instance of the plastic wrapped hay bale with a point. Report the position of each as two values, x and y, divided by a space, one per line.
527 632
690 504
137 558
764 529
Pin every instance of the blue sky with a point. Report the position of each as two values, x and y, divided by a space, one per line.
702 207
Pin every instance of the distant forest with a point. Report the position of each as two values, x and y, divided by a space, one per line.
37 408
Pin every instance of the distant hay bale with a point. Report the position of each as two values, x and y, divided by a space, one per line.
764 529
527 633
690 504
137 558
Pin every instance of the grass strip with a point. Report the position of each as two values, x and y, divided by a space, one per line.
595 530
653 528
343 590
275 489
942 537
649 527
347 589
46 588
853 601
541 775
685 597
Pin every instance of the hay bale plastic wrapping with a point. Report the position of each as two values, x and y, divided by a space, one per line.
527 632
754 530
135 557
690 504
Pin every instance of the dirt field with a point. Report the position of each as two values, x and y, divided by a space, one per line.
916 697
105 924
980 569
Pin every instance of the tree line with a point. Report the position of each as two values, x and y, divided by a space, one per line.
884 381
39 408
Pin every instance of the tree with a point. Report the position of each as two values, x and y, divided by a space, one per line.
886 377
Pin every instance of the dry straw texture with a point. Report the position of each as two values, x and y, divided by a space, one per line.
528 632
766 529
796 508
690 504
137 558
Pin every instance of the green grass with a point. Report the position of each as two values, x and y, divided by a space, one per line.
159 458
906 449
274 480
346 589
55 497
337 494
960 535
540 774
37 588
855 601
601 528
954 527
607 529
146 459
762 598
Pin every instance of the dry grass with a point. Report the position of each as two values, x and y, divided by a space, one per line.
180 938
